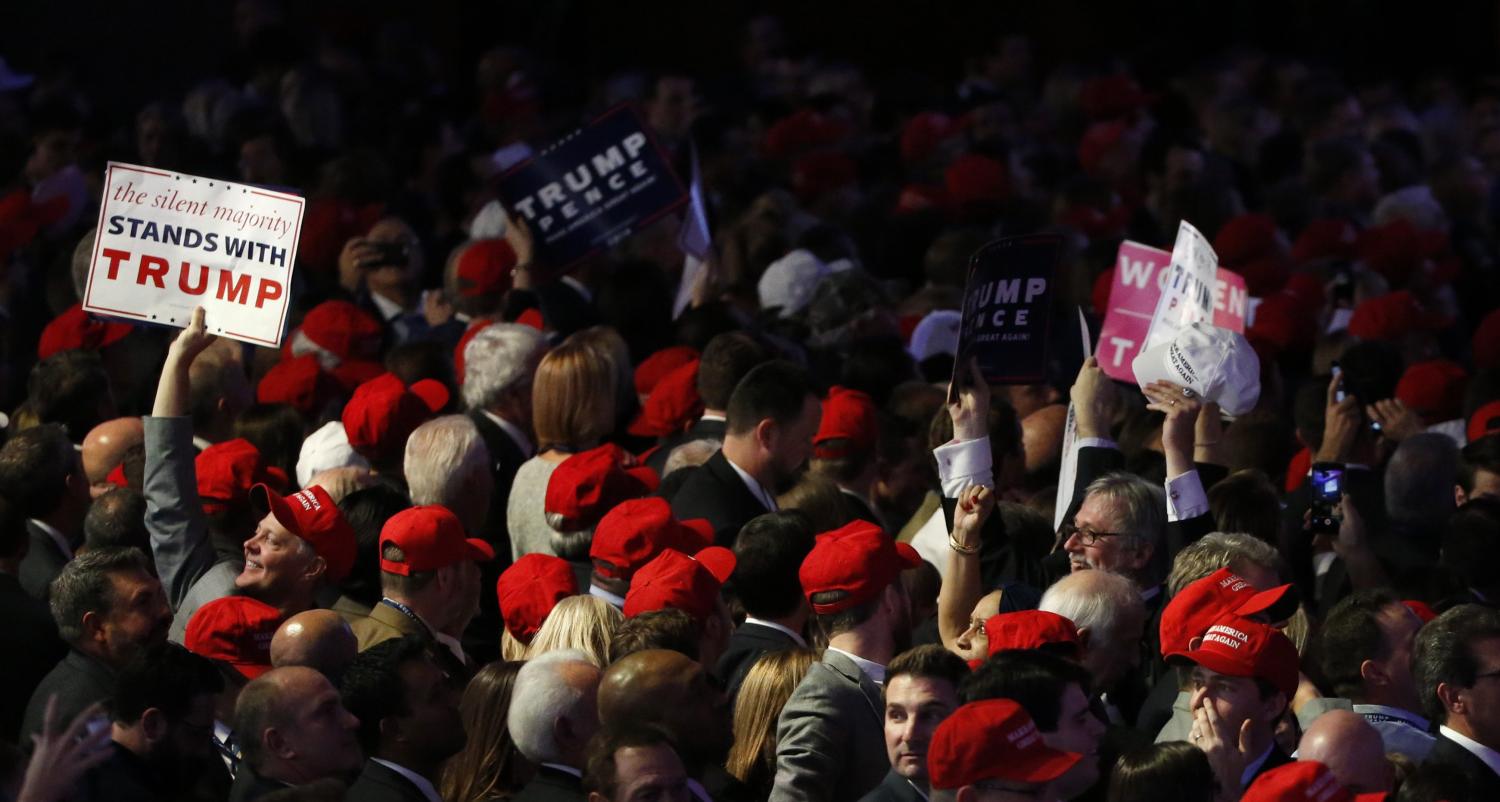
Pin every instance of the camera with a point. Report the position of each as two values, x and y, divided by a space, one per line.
1328 492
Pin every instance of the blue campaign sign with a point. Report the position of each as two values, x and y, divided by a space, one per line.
1007 316
593 188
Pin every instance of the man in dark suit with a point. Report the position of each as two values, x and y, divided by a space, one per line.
921 690
27 620
42 474
163 700
725 361
553 713
768 553
108 608
1457 663
772 417
409 721
293 729
828 742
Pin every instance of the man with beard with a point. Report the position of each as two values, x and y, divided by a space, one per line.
828 739
108 608
665 689
772 417
163 715
408 720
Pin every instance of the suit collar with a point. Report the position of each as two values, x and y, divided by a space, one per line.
850 671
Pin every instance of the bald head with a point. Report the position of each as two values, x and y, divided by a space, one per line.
104 448
315 639
670 690
1351 749
1042 436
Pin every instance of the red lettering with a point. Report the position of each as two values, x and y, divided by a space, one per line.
154 268
182 279
236 292
115 256
269 291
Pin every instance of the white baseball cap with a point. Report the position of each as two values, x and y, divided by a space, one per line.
937 333
1215 363
326 448
788 282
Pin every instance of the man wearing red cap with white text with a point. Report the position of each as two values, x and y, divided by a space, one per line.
429 575
828 739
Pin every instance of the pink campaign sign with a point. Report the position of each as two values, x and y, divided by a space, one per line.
1137 284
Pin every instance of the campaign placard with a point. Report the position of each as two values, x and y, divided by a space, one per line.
168 242
1187 295
593 188
1007 315
1133 295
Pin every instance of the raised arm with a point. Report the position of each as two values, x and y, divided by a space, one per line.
962 587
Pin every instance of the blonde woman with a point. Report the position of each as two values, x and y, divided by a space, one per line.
767 686
583 622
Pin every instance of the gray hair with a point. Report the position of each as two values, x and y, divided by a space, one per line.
542 695
443 456
501 359
1142 505
84 586
690 454
1094 600
1419 478
1217 550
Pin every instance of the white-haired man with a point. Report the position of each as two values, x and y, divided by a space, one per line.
553 714
448 464
1109 614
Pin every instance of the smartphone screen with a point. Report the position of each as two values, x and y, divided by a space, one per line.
1338 395
1328 482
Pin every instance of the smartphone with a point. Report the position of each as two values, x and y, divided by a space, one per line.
1328 493
1338 372
389 254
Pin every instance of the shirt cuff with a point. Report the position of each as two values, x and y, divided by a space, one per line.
962 463
1095 442
1185 497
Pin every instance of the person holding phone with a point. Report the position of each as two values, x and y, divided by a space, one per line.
383 270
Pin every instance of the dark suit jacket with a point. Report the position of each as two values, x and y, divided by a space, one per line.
44 561
505 458
717 493
861 509
1481 779
700 430
249 786
78 681
830 743
378 783
894 788
551 785
26 621
1277 759
746 645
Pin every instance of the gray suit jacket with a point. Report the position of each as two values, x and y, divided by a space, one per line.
192 574
830 745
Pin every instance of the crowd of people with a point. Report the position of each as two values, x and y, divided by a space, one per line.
488 527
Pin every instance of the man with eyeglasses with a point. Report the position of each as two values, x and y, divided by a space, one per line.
1457 664
991 750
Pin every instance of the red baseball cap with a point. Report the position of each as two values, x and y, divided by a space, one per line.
475 326
635 531
1197 606
1486 342
673 404
1097 141
924 133
235 630
1030 629
973 178
529 589
485 267
1303 781
297 381
1485 421
384 412
311 515
432 537
343 329
1326 238
226 471
655 367
992 739
858 559
1433 389
1239 647
1245 238
75 329
848 415
1391 317
590 483
1422 610
674 580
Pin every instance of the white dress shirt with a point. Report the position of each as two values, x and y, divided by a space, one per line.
422 783
872 669
601 593
791 633
761 494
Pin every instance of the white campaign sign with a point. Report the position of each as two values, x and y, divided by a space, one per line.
168 242
1187 295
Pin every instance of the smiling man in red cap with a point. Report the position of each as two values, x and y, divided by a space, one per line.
429 575
300 542
992 749
1245 673
828 739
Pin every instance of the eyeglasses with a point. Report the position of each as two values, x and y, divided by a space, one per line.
1087 537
